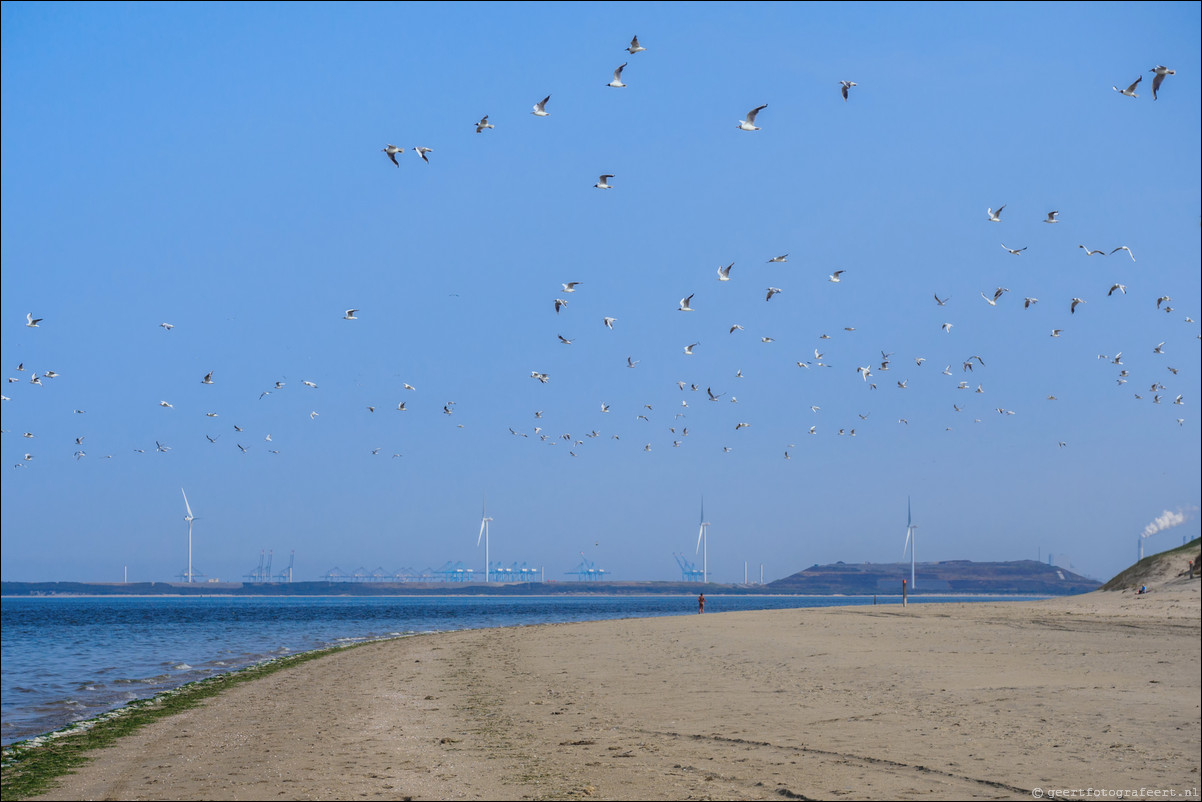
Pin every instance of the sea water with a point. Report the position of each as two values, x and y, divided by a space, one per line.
64 659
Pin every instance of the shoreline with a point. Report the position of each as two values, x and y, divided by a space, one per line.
881 701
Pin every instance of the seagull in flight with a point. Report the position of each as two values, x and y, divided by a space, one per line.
1124 248
684 304
1073 307
1014 251
1121 287
540 108
609 322
847 85
420 151
31 321
208 379
167 326
308 383
995 217
165 404
603 183
1130 90
563 339
749 123
947 327
635 47
771 291
559 304
1051 218
734 328
484 123
724 272
1161 72
784 257
571 285
688 349
1091 252
392 151
630 363
1028 301
944 301
835 276
616 83
350 314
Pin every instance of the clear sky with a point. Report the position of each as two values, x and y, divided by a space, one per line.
219 167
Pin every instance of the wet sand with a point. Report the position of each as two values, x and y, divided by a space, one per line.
944 701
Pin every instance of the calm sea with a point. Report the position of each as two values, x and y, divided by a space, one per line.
67 659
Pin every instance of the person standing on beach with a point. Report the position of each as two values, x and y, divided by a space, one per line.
701 603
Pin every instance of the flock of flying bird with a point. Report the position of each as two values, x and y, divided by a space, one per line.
868 374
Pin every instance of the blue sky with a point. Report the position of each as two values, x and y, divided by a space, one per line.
219 168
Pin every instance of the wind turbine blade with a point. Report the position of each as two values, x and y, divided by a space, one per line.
483 523
700 532
907 545
186 505
908 521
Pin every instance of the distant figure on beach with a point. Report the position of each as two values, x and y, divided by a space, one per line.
701 603
1142 590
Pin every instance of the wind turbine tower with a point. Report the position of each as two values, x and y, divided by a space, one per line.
189 518
703 540
484 519
910 527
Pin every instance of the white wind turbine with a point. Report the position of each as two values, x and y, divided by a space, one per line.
703 539
910 540
484 519
189 518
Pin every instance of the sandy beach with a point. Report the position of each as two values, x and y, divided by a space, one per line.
945 701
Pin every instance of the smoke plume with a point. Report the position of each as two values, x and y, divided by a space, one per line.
1166 520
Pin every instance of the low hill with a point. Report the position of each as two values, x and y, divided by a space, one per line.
1166 568
1020 577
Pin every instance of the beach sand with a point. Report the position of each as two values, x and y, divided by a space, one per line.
945 701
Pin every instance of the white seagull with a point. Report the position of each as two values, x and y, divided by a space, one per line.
1091 252
616 83
602 183
635 47
208 379
684 304
392 151
571 285
1073 307
846 85
350 314
1130 90
1124 248
771 291
167 326
688 349
609 322
784 257
540 108
420 151
31 321
995 217
724 272
749 123
1051 218
484 123
1161 72
1014 251
835 276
